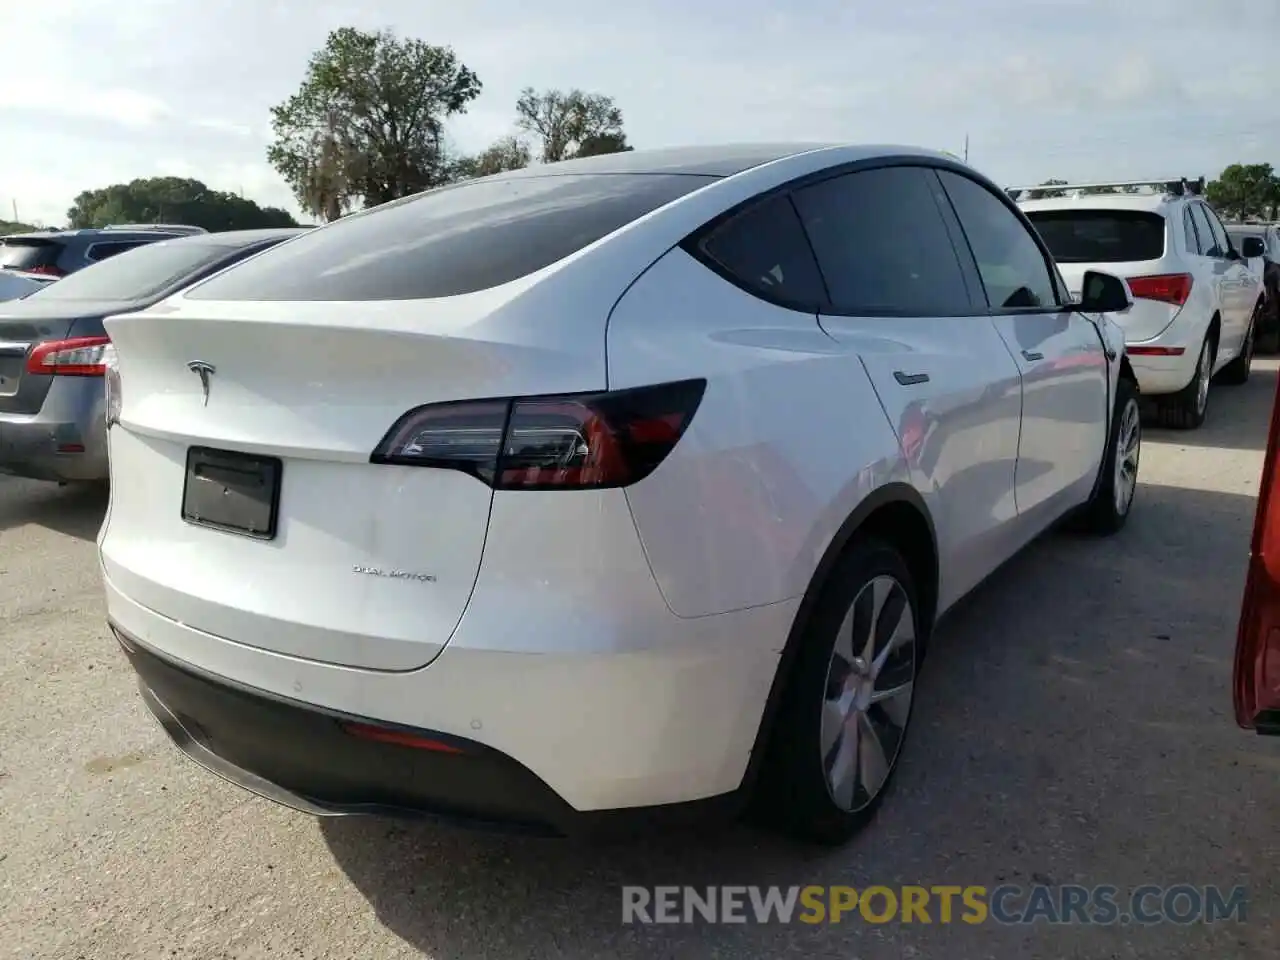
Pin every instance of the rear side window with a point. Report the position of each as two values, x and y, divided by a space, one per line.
764 249
882 244
28 253
103 251
1101 236
452 241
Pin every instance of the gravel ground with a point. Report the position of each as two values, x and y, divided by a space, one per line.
1074 726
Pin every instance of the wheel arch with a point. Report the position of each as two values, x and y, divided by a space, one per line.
1126 371
895 513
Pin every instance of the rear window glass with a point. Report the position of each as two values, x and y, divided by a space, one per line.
25 254
448 242
1100 236
105 251
135 274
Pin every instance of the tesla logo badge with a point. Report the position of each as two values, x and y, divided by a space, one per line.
204 371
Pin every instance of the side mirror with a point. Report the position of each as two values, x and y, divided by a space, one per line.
1251 247
1104 293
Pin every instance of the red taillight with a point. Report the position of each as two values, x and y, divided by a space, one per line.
45 271
1141 351
1172 288
400 738
77 357
548 443
1256 679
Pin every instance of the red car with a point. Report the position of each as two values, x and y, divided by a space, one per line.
1257 666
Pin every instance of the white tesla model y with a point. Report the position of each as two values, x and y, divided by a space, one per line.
622 486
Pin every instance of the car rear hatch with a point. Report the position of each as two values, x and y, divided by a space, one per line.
32 254
1126 243
351 562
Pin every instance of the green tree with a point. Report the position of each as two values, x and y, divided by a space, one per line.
1245 190
509 153
172 200
572 124
13 226
1046 194
367 123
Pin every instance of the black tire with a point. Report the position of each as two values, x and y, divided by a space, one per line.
1236 373
793 792
1111 505
1267 339
1186 409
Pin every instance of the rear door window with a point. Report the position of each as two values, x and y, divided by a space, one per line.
28 253
882 244
1100 236
452 241
765 251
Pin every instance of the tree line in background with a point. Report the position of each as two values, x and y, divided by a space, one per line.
369 125
1243 191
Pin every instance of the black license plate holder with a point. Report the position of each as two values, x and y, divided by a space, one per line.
235 492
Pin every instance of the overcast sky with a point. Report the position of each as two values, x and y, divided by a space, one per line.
94 92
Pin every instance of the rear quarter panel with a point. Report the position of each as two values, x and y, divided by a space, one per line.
788 440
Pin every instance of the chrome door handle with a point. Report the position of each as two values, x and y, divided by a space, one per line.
910 379
1032 355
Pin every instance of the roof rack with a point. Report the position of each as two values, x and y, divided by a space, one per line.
1170 186
165 227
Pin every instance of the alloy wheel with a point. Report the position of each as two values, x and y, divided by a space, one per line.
870 684
1203 376
1128 449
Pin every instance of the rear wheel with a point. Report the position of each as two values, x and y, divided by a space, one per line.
1236 372
1185 409
848 700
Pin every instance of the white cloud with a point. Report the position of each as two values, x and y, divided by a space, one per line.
1053 88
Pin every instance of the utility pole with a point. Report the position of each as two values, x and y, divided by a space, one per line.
15 210
966 148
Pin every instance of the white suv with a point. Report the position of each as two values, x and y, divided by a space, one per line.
1196 300
615 486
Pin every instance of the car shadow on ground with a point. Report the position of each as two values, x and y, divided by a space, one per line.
1237 417
75 510
1073 724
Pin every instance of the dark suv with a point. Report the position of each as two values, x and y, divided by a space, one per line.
59 252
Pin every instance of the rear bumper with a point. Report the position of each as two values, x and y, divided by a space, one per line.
303 757
1164 375
598 731
65 441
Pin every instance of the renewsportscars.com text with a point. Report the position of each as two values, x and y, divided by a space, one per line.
1006 904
